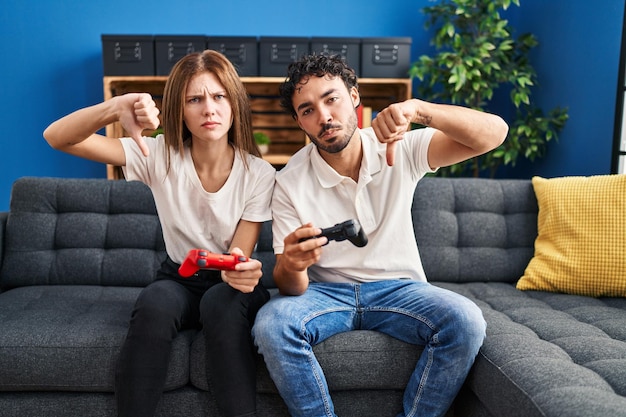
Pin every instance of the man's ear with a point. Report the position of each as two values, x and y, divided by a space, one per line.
356 97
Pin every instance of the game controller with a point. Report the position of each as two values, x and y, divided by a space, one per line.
203 259
350 230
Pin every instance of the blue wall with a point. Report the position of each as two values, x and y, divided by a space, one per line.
51 64
577 61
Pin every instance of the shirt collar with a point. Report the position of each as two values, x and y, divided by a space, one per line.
370 164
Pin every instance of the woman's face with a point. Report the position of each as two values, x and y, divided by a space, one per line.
207 111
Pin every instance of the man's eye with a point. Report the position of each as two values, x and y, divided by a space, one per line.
306 111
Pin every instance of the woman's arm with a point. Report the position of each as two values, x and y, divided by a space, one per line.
247 274
76 132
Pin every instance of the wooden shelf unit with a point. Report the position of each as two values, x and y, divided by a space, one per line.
267 115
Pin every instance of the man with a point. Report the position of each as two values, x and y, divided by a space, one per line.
368 175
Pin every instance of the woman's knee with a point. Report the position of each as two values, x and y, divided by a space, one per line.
216 301
223 300
157 309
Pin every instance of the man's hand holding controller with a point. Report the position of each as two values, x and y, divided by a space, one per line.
303 248
350 230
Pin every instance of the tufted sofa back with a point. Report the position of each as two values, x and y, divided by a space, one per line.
80 231
475 230
467 229
101 232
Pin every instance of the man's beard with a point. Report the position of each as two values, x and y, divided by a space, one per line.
340 142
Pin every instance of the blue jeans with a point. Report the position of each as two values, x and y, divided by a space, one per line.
449 326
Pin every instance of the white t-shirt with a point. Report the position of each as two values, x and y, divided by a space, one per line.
309 190
190 216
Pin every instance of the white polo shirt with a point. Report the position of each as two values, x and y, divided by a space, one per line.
190 216
307 189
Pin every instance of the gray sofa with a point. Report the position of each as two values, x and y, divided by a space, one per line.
74 254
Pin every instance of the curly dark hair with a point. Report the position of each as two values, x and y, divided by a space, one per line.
318 66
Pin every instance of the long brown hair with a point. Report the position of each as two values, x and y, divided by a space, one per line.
240 135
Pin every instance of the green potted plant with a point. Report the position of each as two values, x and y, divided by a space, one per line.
263 141
476 56
158 131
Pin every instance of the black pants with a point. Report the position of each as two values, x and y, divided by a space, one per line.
172 303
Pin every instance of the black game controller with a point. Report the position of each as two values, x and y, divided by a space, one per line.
350 230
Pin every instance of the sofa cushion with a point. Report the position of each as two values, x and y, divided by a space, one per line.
581 238
264 252
352 361
545 349
81 231
470 229
67 338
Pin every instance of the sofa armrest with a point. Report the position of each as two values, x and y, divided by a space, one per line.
3 223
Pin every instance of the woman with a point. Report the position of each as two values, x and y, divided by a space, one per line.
212 191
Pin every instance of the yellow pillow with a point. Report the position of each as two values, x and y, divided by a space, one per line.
581 240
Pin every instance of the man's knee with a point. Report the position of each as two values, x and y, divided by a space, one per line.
269 326
470 321
263 323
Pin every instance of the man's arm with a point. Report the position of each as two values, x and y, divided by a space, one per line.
462 133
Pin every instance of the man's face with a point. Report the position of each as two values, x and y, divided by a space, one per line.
325 110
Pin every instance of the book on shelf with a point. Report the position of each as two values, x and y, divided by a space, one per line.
367 116
364 116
